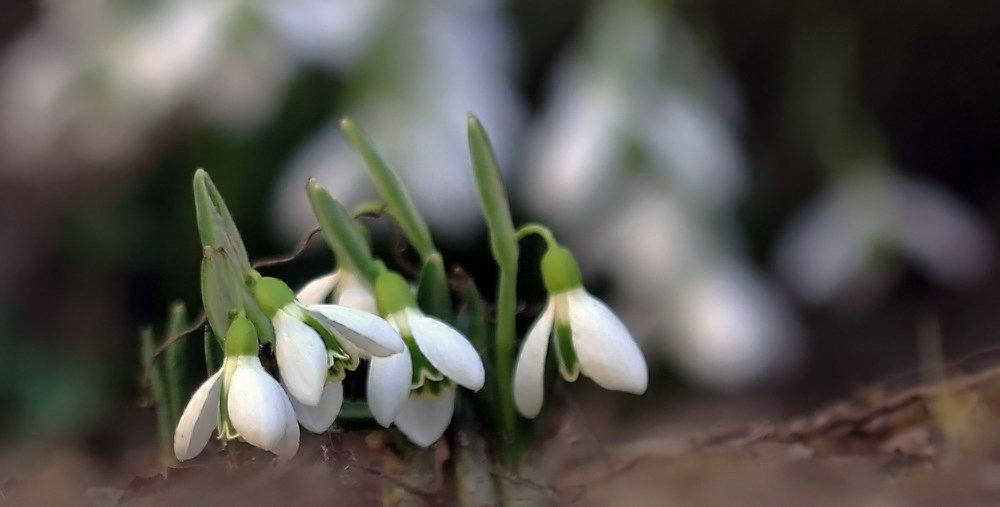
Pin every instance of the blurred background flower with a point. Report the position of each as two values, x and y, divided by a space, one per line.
731 176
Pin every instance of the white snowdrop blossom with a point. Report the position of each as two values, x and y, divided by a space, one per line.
837 247
241 400
315 344
587 336
415 390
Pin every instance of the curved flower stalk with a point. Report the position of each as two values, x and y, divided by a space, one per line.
587 336
416 389
315 344
347 289
241 400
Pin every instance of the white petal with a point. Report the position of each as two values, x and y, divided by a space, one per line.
823 248
200 417
423 419
942 234
606 350
319 418
388 385
318 290
352 293
290 440
448 350
368 332
529 372
302 358
256 406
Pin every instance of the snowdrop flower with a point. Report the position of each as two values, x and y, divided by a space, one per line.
588 338
316 344
347 289
836 247
416 389
241 400
730 328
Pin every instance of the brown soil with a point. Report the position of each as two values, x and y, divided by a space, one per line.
927 444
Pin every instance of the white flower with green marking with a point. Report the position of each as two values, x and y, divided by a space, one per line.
415 390
587 336
241 400
315 345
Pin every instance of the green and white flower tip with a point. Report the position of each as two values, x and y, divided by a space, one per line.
587 336
315 344
241 400
416 389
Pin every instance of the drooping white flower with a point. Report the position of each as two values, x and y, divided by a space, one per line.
316 344
241 400
416 389
837 247
587 336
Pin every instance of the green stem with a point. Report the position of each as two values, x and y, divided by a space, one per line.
506 306
539 229
369 208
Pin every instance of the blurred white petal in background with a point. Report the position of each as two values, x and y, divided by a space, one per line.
734 329
844 245
334 33
446 59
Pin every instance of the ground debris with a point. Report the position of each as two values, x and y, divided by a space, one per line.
887 445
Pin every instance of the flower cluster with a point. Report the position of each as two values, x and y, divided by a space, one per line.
417 347
315 345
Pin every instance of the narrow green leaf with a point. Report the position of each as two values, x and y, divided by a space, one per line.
503 244
219 293
157 390
224 289
492 195
341 233
474 319
433 294
216 227
213 352
176 377
390 186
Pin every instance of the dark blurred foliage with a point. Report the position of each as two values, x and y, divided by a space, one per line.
92 261
926 71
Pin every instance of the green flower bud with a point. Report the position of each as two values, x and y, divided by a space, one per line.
560 273
271 294
241 339
392 293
